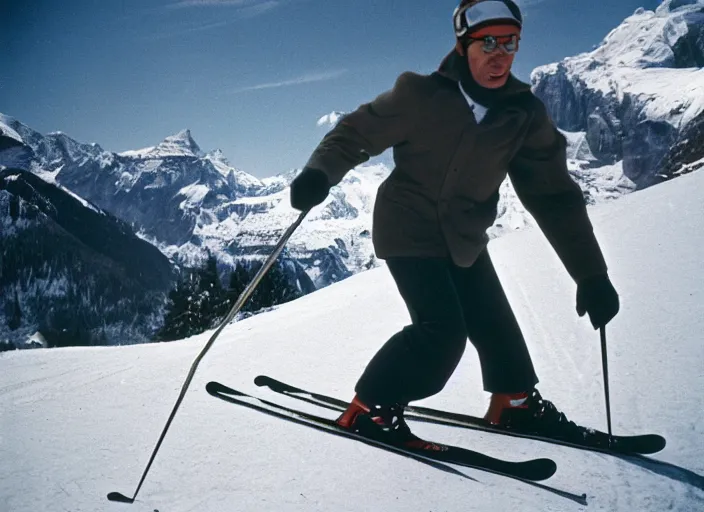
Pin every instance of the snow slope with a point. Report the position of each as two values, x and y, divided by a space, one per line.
79 423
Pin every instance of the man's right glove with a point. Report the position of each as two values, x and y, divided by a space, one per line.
597 296
309 189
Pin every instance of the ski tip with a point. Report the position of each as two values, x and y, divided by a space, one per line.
261 380
120 498
646 444
658 442
652 443
273 384
549 463
540 469
214 387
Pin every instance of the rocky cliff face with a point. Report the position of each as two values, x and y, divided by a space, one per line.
637 92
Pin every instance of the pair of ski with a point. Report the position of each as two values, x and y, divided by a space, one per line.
531 470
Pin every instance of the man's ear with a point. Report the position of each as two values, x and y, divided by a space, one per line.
459 48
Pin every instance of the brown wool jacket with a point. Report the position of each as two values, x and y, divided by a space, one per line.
443 192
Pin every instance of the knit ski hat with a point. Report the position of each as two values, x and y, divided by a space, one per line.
471 16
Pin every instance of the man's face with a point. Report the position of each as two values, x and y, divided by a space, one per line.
490 70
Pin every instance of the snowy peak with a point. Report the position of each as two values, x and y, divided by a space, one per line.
239 180
646 39
7 131
641 41
331 119
638 92
218 156
181 143
17 130
651 39
178 145
219 161
71 148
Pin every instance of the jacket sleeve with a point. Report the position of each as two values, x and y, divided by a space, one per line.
542 182
367 131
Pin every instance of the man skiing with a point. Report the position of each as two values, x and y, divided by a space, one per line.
456 134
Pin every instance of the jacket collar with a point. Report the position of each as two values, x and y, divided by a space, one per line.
454 67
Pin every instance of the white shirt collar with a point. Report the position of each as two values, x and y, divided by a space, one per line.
479 110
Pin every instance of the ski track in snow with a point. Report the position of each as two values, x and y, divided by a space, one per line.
78 423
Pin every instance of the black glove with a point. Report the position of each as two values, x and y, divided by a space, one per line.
597 296
309 189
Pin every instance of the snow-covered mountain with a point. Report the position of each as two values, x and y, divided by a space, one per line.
632 111
72 270
188 202
639 95
180 144
79 423
331 119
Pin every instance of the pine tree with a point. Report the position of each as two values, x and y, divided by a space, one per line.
199 301
274 288
15 318
212 294
239 279
195 304
286 291
180 318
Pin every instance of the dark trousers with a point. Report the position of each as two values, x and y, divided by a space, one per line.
447 304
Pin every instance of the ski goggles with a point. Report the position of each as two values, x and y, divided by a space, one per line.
508 43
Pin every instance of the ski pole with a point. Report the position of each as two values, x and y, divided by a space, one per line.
116 496
605 366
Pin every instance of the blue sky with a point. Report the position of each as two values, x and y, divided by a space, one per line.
250 77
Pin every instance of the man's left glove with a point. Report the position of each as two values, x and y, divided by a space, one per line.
597 296
309 189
